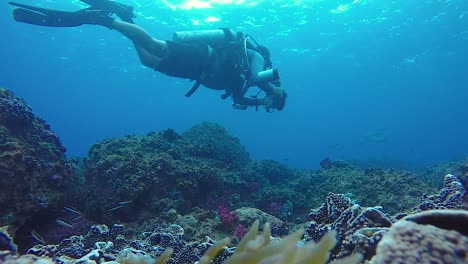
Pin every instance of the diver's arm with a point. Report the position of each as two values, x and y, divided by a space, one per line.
242 102
266 87
257 64
248 101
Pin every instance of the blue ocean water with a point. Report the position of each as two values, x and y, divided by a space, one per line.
367 80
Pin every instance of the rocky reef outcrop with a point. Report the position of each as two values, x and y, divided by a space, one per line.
394 190
133 177
136 175
34 174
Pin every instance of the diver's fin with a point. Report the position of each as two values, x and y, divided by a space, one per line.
45 17
55 18
32 8
30 17
125 12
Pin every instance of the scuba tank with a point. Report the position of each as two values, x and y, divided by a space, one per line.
211 37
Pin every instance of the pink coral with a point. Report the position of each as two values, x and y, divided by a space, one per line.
240 231
227 217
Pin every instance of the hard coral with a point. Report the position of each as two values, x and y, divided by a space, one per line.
248 215
431 175
7 258
269 171
436 236
327 164
394 190
212 141
106 245
334 205
158 171
450 197
359 229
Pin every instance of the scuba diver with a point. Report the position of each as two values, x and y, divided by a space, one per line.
219 59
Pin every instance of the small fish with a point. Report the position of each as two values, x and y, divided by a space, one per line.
76 218
37 237
44 204
71 209
115 208
64 223
125 202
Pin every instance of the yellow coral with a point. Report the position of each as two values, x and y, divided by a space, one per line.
129 257
253 249
164 256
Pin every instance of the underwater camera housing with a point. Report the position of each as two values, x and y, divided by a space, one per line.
269 75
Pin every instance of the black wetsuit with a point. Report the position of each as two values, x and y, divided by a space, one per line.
215 68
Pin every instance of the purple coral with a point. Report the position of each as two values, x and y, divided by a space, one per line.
227 217
240 231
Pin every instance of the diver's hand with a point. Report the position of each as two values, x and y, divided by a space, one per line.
276 99
239 106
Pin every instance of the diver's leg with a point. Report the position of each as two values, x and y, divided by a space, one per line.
146 58
141 39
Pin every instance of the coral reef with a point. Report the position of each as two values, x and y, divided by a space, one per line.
6 241
7 258
331 209
158 172
104 245
212 141
35 176
260 249
394 190
436 236
449 197
186 187
358 229
137 176
431 175
227 217
248 215
110 243
361 229
269 171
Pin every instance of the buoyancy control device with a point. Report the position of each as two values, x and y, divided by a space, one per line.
223 37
